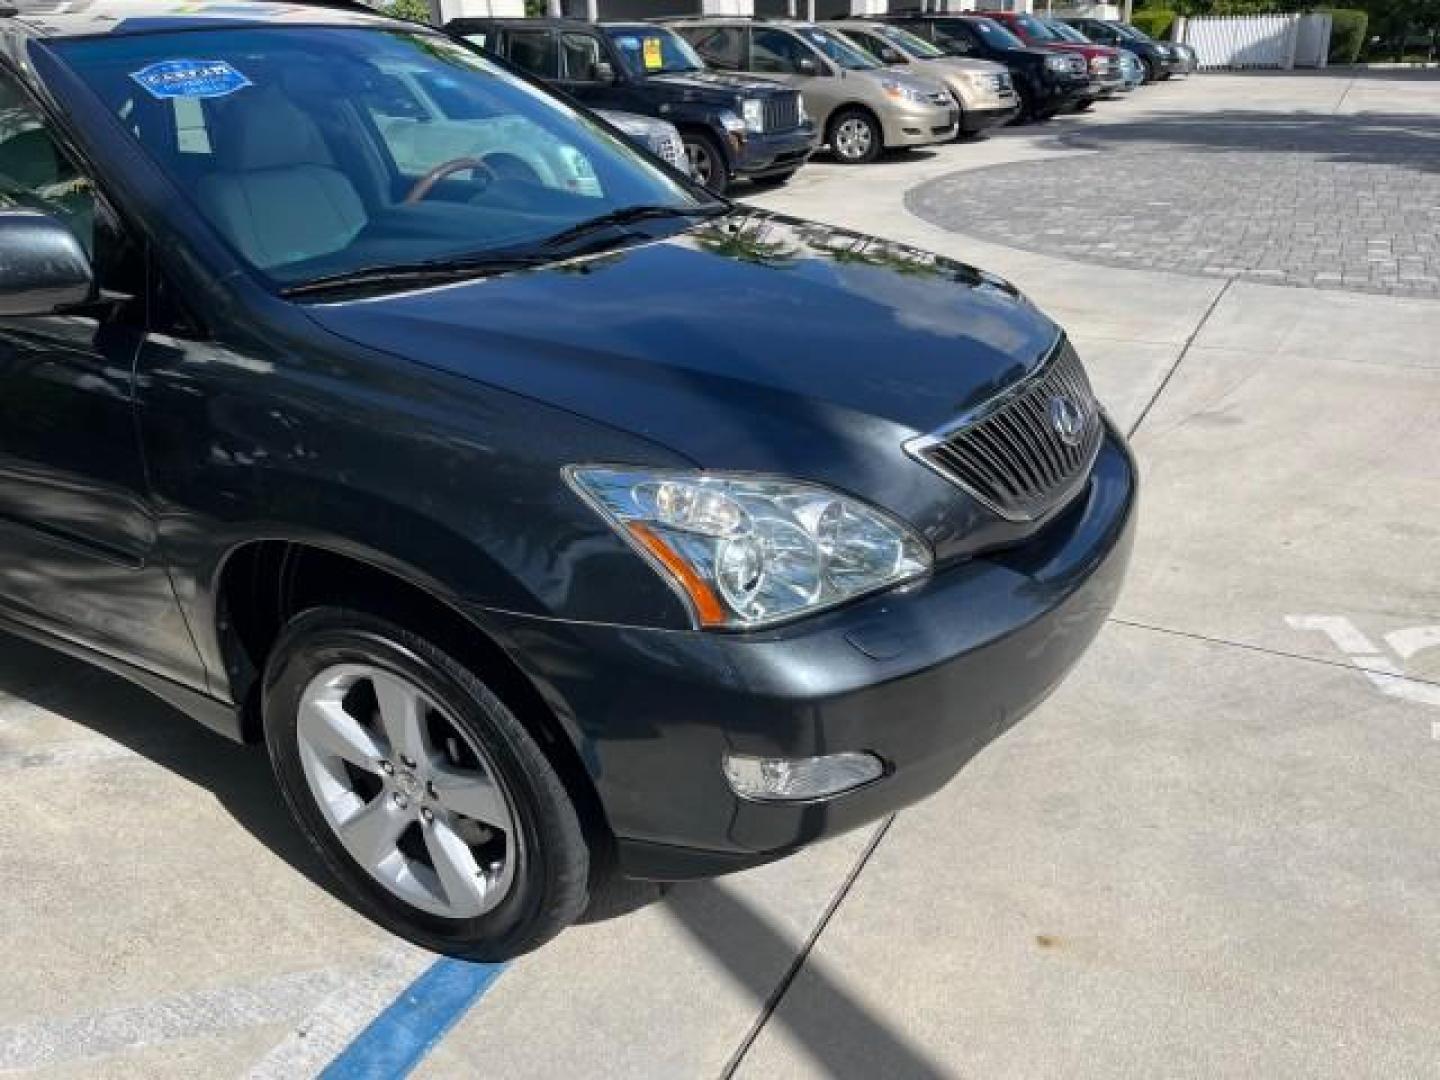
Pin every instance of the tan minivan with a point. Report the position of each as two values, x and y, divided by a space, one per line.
860 106
982 87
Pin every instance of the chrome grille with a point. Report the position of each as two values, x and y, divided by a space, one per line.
782 112
1011 454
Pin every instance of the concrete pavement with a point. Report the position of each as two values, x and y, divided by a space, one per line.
1210 853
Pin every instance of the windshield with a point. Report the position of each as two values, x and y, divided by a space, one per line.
647 50
1134 34
995 35
839 51
321 151
1069 33
1034 29
903 39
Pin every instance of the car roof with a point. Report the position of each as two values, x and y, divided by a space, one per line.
521 24
66 18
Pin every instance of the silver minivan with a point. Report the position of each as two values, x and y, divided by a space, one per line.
982 87
862 107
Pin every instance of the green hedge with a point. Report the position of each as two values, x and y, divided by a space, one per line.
1154 21
1347 34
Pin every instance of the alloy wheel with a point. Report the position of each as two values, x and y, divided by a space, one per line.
702 165
853 138
417 804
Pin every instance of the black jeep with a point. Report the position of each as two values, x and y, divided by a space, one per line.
733 127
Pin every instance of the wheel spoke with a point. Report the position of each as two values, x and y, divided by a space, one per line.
471 794
328 727
402 715
455 866
373 831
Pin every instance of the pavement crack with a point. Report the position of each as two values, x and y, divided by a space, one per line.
1345 665
783 986
1180 359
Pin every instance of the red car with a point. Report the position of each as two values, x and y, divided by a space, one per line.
1103 62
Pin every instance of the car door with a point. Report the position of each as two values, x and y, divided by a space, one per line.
79 554
780 55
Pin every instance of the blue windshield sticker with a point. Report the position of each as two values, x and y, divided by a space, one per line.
190 79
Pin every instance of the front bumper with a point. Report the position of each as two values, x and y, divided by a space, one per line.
919 125
991 116
767 153
922 677
1058 92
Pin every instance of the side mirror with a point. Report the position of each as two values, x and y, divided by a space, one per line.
807 65
602 71
43 268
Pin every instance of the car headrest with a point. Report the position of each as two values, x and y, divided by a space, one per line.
265 130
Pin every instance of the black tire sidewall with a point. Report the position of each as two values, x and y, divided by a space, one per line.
542 899
719 181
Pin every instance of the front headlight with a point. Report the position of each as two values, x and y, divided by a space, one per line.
754 113
1057 63
747 551
732 123
902 92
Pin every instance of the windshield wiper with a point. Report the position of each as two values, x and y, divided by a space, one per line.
626 215
420 273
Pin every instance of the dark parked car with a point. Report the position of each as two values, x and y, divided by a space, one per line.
1161 58
545 516
1048 81
733 127
1101 62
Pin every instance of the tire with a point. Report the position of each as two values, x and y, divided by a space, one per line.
707 162
1152 70
502 888
1084 106
860 135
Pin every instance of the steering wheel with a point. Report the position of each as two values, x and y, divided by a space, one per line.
424 185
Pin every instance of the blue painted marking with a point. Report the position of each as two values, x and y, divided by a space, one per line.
399 1038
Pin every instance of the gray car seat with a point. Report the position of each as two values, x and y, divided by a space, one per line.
277 195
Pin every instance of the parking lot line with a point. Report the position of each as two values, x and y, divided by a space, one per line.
341 1015
400 1037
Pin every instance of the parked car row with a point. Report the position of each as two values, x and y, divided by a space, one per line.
752 99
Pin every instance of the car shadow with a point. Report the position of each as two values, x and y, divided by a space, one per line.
1408 140
238 776
839 1035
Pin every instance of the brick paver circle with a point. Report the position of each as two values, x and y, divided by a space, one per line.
1285 216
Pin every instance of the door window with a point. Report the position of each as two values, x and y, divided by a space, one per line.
775 52
723 47
579 53
535 51
35 174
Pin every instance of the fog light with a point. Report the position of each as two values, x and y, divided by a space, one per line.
797 779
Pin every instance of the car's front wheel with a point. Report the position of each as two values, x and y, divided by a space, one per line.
707 163
856 137
421 790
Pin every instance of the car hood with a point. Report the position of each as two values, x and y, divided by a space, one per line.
752 342
935 65
709 82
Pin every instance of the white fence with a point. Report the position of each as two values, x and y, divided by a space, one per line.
1259 41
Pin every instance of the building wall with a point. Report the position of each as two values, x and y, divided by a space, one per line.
500 9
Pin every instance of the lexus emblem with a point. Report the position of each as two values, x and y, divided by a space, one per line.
1067 419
